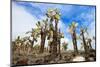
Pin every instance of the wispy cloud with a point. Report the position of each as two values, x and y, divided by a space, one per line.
21 21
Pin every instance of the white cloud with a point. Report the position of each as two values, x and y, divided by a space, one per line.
21 21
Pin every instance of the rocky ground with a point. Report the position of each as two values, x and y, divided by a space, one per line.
45 58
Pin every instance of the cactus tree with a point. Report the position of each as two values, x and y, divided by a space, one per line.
72 30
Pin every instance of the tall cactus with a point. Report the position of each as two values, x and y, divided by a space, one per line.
43 28
83 30
60 35
54 15
34 36
72 30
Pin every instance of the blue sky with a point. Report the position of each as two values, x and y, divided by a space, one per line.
26 14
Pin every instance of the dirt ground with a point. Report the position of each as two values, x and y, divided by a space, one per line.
46 58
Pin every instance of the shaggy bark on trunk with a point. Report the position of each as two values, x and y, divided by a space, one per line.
85 45
84 42
54 51
59 42
74 42
43 37
89 42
